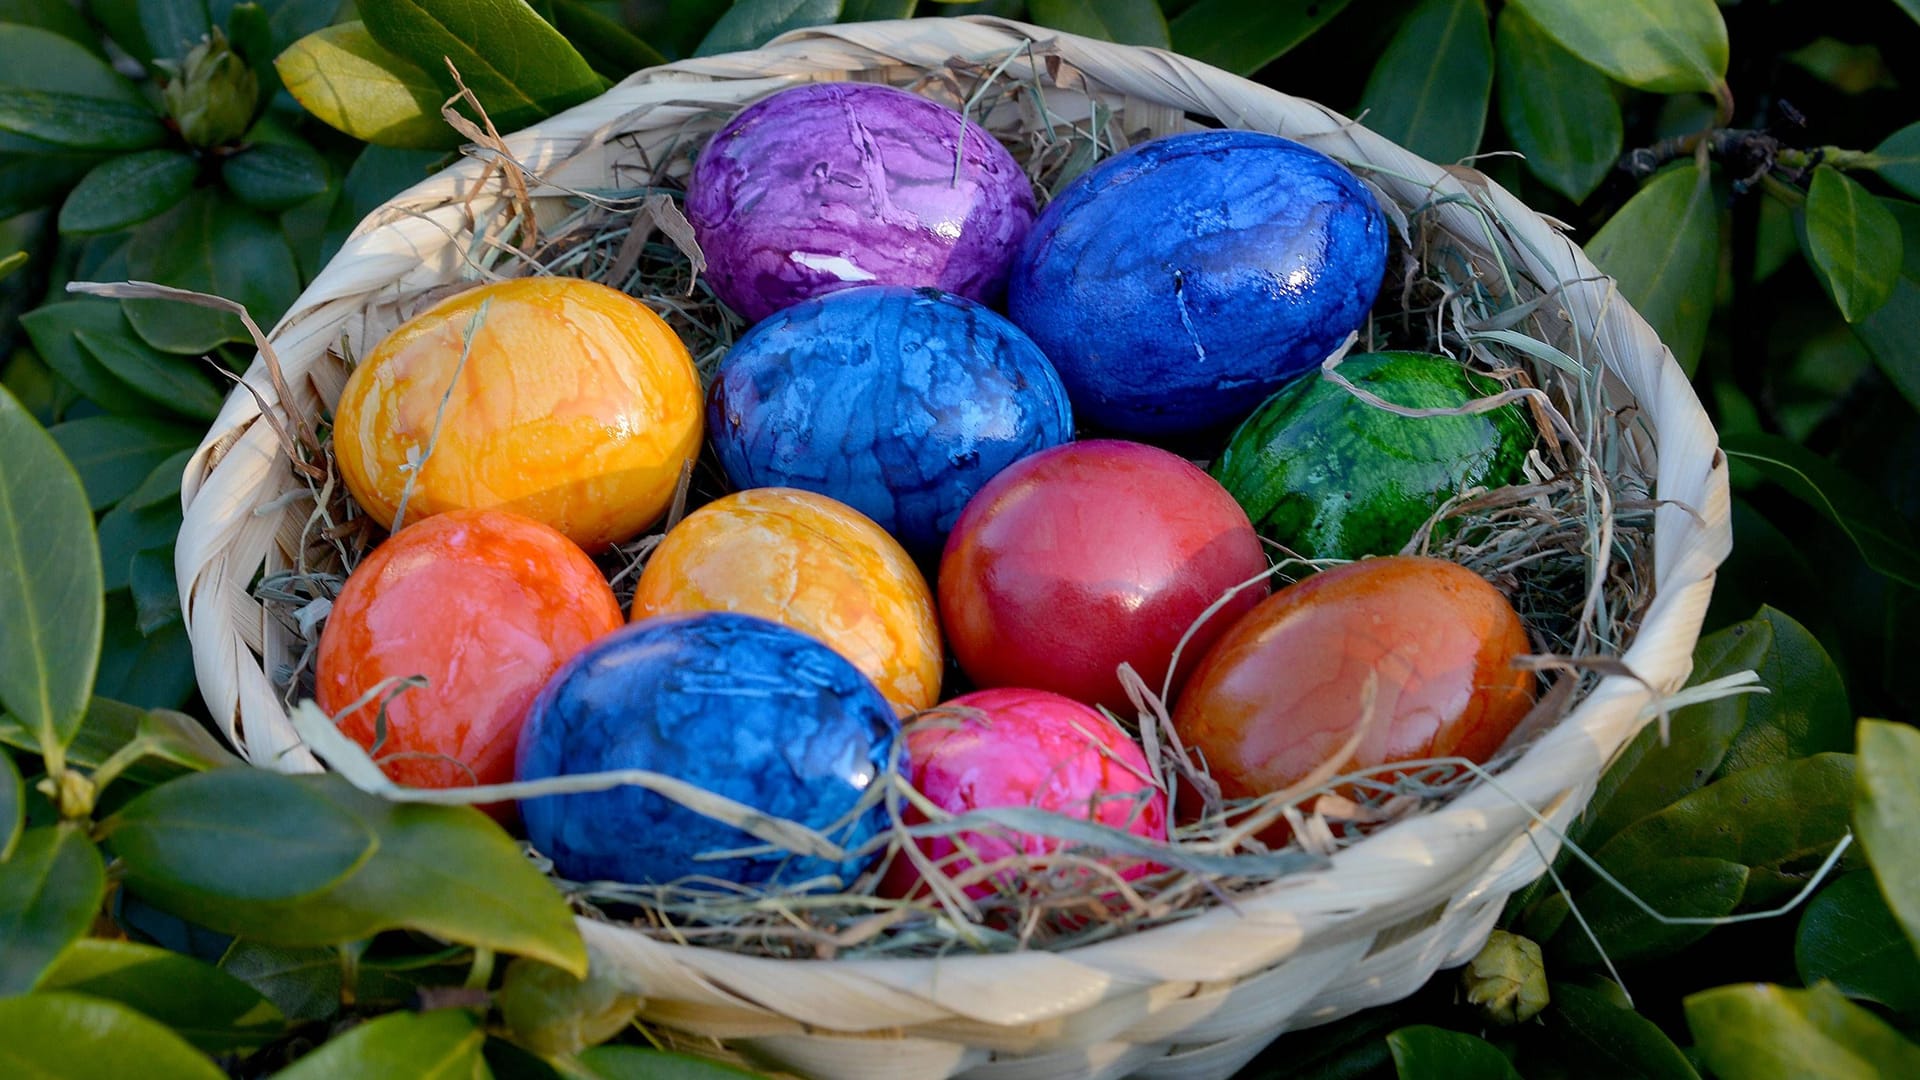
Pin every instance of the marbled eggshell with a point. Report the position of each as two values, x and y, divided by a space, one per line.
1177 284
830 185
898 402
805 561
1011 747
732 704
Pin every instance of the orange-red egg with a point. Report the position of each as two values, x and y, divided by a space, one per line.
814 564
1282 691
557 398
483 604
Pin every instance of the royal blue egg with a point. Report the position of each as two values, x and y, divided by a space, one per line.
1175 285
733 704
899 402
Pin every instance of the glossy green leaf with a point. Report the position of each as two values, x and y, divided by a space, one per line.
874 10
1756 1031
53 328
49 893
1897 159
171 27
1560 110
1886 805
1881 537
552 1012
1853 243
440 1045
59 16
1663 247
156 594
173 383
50 607
607 46
1423 1052
634 1063
30 181
1429 90
210 245
1608 1040
1911 7
275 176
168 736
13 805
146 519
352 83
518 65
184 842
303 983
144 670
127 190
114 454
1682 886
10 263
58 92
1669 46
1244 36
377 175
1131 22
1889 332
202 1004
1849 938
75 1037
749 24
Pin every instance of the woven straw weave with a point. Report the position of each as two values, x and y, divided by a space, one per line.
1194 999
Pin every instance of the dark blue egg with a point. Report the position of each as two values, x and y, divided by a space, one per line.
899 402
737 705
1177 284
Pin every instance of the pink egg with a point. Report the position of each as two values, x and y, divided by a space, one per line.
1010 747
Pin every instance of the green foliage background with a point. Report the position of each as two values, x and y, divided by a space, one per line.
1748 171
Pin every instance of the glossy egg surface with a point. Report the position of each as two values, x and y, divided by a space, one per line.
573 404
732 704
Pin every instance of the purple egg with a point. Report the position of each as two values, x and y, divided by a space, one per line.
831 185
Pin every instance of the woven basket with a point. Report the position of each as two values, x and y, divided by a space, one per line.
1196 998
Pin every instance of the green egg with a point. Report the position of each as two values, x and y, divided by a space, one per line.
1331 476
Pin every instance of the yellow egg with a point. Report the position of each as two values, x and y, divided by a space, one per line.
573 404
813 564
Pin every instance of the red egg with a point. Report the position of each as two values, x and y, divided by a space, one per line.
1013 747
1284 689
1086 555
484 604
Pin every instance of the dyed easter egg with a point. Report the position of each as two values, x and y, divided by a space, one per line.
1332 476
485 605
898 402
1090 554
1013 747
810 563
831 185
1177 284
572 404
1282 691
735 705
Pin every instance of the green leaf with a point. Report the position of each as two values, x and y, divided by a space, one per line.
1663 247
1586 1026
303 983
1560 111
49 893
1897 159
1889 332
440 1045
552 1012
148 671
749 24
127 190
609 49
1429 90
58 92
13 806
1911 7
113 454
164 735
1130 22
75 1037
170 382
853 11
352 83
53 328
1244 36
10 263
188 842
1757 1031
377 175
1804 712
156 594
517 64
1683 886
59 16
1881 537
1423 1052
50 606
1853 243
634 1063
275 176
1668 46
1849 938
145 520
171 27
209 245
1885 806
202 1004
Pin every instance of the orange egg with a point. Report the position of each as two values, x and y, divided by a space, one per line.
816 565
573 404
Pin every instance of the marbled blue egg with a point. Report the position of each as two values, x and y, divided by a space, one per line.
737 705
1175 285
899 402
